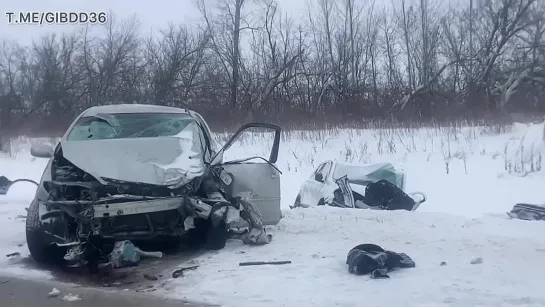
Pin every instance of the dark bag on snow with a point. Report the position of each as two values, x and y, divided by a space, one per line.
387 196
374 260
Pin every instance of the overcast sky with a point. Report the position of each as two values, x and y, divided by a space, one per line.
152 14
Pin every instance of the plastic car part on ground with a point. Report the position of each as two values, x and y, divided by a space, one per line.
125 254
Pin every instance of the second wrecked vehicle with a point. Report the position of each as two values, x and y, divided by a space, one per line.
374 186
147 173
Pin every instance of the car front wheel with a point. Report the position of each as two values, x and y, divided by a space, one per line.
216 236
35 238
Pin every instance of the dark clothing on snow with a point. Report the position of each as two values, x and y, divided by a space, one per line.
374 260
387 196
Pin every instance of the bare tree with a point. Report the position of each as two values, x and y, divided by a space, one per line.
174 60
346 61
227 46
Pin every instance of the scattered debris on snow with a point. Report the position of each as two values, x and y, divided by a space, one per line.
151 277
146 288
54 293
12 255
71 298
180 272
374 260
528 212
125 254
263 263
326 234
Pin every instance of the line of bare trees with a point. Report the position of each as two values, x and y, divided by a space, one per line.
348 60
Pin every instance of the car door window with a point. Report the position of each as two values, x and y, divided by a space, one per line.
326 170
317 171
250 142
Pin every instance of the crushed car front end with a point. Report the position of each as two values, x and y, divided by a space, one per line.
84 214
100 191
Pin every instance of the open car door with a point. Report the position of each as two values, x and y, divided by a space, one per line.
255 178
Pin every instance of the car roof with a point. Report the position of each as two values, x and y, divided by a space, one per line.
132 108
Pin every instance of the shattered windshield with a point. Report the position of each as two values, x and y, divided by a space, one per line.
129 125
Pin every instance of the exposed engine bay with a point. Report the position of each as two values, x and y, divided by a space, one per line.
85 216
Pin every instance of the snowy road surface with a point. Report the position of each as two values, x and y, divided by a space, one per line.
15 292
471 176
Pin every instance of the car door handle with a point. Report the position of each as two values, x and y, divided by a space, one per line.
275 176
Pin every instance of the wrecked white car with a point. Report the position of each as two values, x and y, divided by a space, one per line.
147 173
375 186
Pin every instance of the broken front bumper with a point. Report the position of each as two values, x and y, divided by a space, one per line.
135 219
136 207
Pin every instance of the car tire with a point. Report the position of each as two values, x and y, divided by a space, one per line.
321 202
35 239
216 237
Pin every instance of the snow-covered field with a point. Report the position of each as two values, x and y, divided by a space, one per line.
471 175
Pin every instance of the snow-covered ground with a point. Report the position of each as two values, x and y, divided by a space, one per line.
471 175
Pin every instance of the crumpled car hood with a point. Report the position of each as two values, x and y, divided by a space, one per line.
167 161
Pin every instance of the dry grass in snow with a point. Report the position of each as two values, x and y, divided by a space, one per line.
466 172
440 161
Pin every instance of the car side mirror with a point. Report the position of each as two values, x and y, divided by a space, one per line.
319 177
41 150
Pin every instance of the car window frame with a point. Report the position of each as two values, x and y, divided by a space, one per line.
76 121
207 154
329 171
317 170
